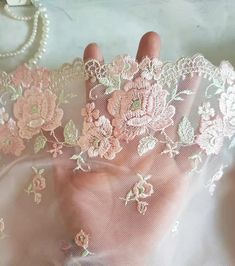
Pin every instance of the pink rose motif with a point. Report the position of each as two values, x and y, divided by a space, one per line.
36 111
39 183
139 106
227 108
10 142
26 77
142 189
125 66
82 239
98 139
211 135
22 77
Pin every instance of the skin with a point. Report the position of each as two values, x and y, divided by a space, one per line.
91 201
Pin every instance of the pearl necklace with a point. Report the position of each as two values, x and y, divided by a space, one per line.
40 14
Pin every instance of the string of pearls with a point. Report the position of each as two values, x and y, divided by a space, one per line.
40 14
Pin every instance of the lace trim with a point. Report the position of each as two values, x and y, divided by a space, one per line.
141 100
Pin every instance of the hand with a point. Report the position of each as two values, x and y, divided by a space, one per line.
91 200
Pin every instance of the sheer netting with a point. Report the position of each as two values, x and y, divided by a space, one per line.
101 178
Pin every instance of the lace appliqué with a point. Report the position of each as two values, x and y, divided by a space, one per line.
81 240
37 185
141 190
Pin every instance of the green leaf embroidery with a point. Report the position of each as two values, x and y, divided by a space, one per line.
70 133
112 83
186 131
146 144
85 253
15 92
41 171
40 143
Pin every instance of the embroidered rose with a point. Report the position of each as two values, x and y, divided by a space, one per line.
39 183
125 66
227 72
10 142
142 189
82 239
139 106
211 136
98 139
37 110
227 108
36 78
2 225
150 69
205 111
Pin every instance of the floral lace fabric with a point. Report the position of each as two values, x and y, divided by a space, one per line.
186 110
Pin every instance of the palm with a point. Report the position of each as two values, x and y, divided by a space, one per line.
91 201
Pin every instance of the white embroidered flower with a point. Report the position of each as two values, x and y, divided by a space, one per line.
211 136
205 111
151 69
227 108
3 116
171 150
141 189
227 72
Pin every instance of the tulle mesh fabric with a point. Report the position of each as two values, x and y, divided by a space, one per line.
38 216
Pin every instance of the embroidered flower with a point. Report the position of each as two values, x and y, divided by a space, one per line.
139 106
89 112
227 72
39 183
22 77
36 78
56 150
142 189
150 69
3 116
125 66
98 139
205 111
10 142
227 108
142 207
82 239
37 110
2 226
211 136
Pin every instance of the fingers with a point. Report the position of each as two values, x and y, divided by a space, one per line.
92 51
149 46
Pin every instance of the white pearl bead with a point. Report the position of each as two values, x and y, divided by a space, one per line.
42 12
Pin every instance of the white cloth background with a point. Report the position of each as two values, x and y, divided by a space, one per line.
206 234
